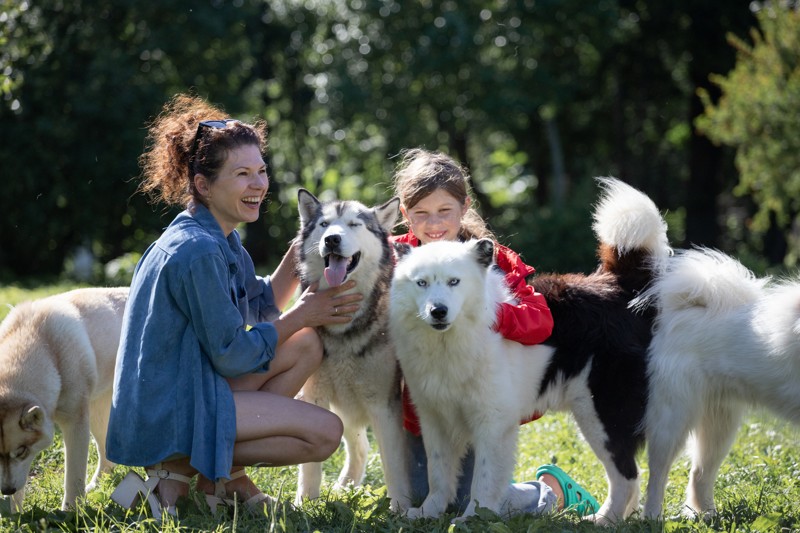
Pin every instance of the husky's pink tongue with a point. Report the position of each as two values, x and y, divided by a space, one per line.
336 270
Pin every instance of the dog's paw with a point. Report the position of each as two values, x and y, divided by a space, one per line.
414 513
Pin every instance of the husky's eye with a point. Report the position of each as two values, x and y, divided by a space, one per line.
453 282
20 453
323 224
422 283
354 224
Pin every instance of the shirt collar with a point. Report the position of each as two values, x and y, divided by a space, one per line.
231 245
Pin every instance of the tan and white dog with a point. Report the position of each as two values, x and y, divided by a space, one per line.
57 358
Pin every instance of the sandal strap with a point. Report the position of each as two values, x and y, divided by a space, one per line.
159 473
575 496
219 486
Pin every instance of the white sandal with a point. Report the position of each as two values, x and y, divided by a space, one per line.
132 487
221 497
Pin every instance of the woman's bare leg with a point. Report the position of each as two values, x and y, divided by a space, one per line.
274 429
295 360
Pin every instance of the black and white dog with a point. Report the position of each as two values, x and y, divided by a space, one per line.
471 387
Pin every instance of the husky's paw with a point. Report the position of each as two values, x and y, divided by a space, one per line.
414 513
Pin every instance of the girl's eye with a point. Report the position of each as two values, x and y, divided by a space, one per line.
422 283
453 282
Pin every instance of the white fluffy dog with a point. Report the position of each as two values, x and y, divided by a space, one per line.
724 340
461 397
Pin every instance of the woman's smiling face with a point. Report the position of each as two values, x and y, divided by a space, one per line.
236 195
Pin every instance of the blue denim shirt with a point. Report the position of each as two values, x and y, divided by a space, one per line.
193 294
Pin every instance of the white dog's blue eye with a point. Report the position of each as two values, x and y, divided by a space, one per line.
323 224
354 224
453 282
422 283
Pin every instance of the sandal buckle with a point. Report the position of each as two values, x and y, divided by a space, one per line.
162 473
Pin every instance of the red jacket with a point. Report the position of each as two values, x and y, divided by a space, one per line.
528 322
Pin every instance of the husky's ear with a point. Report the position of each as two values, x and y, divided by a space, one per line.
307 206
32 419
387 214
401 250
484 252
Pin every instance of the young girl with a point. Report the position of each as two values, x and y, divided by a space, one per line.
208 366
436 205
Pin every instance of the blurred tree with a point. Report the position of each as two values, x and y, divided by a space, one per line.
757 114
85 79
535 97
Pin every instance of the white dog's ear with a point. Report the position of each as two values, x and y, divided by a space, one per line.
32 419
307 205
484 252
387 214
401 250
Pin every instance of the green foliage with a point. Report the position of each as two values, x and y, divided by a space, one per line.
757 115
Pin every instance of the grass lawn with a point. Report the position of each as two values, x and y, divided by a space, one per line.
758 488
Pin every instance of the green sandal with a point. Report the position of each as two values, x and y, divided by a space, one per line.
575 497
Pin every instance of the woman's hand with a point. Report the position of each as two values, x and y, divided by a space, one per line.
329 306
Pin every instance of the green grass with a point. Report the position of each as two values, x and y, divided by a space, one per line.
758 489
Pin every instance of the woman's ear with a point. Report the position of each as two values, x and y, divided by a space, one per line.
201 184
467 203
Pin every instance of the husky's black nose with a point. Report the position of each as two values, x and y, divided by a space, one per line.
8 491
439 311
333 241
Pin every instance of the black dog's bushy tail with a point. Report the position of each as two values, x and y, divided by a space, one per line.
632 235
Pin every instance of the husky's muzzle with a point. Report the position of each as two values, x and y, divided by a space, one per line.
337 266
438 314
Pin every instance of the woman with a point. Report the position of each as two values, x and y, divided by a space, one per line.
208 366
436 205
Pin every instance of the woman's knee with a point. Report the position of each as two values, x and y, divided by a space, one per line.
328 436
307 343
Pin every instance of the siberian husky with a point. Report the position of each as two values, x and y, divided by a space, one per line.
57 359
360 377
472 387
724 340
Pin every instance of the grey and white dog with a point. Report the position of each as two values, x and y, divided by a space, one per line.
359 378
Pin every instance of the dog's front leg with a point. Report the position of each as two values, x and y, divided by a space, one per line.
309 477
356 445
387 425
444 458
76 451
495 453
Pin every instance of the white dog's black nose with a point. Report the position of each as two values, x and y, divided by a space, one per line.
439 311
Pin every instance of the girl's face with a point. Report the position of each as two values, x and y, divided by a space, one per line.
236 195
437 217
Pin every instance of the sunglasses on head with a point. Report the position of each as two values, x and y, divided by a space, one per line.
211 124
